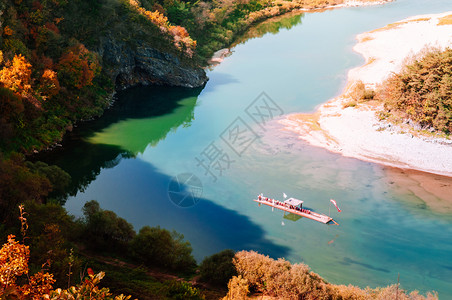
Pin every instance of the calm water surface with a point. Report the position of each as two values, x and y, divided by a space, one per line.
126 160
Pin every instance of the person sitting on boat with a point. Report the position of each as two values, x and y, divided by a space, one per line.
260 197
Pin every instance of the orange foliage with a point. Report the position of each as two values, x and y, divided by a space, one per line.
13 262
8 31
16 76
52 27
46 62
78 66
40 284
179 31
50 83
58 20
155 17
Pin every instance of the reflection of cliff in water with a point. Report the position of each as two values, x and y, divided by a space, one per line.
273 26
140 117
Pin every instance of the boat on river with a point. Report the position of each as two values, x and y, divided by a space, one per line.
295 206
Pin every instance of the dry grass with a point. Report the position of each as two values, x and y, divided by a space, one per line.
351 103
419 20
398 24
447 20
370 60
366 39
311 120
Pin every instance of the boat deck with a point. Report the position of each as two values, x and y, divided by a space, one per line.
306 213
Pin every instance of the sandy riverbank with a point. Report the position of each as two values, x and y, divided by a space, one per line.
356 131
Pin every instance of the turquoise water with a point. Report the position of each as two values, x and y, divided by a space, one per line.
126 161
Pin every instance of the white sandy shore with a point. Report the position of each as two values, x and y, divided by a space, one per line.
355 131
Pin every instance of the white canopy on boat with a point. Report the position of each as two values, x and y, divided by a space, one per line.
293 201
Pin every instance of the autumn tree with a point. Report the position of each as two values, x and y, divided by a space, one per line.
16 76
14 263
78 67
50 86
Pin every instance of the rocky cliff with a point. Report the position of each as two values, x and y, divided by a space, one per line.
142 64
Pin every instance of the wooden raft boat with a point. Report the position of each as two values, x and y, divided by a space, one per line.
294 206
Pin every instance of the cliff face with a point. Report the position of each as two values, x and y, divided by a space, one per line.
142 64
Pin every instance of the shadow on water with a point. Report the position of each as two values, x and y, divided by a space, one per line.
138 192
348 261
221 227
85 152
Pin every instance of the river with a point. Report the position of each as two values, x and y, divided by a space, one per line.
128 159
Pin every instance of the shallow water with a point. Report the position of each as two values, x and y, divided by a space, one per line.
126 160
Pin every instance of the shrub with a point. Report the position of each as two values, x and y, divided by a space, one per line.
218 268
181 290
155 246
359 92
422 91
238 288
283 280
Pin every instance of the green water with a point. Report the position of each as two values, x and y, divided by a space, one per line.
126 160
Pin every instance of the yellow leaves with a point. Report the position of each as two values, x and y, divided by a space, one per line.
16 76
13 261
39 284
181 38
1 57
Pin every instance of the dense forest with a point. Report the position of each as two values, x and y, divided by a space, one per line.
54 72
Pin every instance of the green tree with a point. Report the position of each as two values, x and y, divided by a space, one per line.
155 246
218 268
104 229
49 234
58 178
17 185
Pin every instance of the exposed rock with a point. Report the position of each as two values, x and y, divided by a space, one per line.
142 64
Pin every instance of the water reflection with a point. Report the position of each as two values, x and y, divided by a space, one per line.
140 117
273 26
